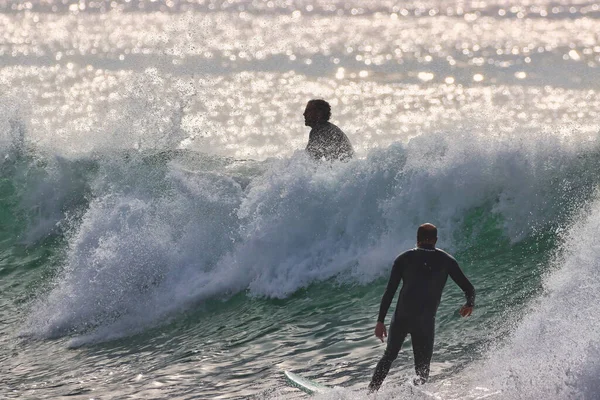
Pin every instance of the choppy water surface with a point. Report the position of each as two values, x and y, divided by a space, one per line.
163 235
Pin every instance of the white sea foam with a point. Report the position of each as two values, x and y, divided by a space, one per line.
12 127
152 244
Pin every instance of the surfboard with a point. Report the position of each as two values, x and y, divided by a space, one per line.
311 387
305 384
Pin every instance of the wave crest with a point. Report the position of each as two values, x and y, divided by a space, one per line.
167 241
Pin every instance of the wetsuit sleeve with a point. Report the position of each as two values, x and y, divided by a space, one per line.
461 280
391 288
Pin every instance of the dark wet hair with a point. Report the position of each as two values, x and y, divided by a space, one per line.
426 232
322 106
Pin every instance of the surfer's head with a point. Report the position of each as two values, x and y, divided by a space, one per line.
316 111
427 235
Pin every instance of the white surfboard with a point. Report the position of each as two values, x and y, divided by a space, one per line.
311 387
305 384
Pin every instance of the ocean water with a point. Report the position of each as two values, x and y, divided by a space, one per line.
164 236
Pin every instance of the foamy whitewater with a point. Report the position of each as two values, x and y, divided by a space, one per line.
164 235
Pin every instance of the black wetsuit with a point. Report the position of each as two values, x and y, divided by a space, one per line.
328 141
424 271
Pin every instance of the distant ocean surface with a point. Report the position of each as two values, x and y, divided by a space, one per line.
164 236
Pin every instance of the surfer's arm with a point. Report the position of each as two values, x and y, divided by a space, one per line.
461 280
390 291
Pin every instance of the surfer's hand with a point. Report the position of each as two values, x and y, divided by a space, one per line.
380 331
466 311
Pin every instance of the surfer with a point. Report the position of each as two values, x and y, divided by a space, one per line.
424 271
325 141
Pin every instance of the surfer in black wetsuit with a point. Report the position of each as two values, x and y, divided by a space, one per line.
325 141
424 271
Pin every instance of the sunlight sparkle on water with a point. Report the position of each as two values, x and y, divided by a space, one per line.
425 76
112 53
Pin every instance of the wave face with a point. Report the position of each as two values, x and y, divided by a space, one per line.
553 352
162 233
